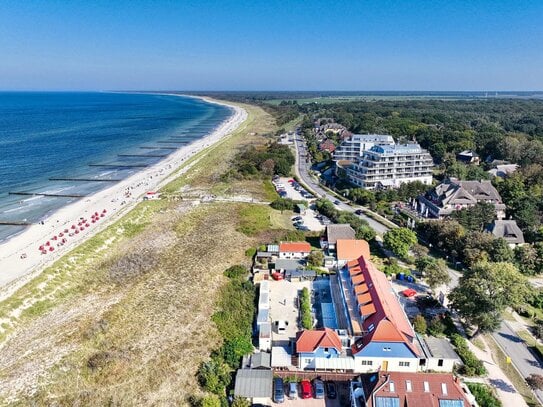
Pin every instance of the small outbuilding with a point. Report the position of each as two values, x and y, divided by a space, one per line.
254 384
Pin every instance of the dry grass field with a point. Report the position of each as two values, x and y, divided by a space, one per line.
124 319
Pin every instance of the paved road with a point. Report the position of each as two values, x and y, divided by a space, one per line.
515 347
302 171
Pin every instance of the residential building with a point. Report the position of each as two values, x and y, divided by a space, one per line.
439 355
317 344
453 195
386 339
335 232
352 148
395 389
390 166
503 170
327 145
508 230
468 157
294 250
350 249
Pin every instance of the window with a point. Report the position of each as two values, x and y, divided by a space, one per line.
371 327
408 386
426 386
440 362
326 350
387 349
405 364
366 362
308 361
444 388
392 387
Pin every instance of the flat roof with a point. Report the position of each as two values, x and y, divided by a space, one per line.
253 383
439 348
280 357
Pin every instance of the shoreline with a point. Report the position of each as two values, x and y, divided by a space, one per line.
17 271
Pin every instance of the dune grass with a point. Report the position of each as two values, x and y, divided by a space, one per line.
124 318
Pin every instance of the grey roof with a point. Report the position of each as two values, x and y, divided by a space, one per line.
453 192
263 315
288 264
300 273
251 383
339 231
439 348
261 360
264 330
507 229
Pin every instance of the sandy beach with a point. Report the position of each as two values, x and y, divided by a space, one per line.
20 257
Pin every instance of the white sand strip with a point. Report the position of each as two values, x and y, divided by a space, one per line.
20 258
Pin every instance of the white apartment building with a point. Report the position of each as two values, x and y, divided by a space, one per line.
352 148
389 166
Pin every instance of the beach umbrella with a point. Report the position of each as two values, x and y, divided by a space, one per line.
82 228
73 226
102 215
41 247
77 231
47 243
60 234
66 230
64 240
43 251
54 238
93 221
87 225
51 249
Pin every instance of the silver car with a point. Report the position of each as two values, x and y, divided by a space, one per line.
293 390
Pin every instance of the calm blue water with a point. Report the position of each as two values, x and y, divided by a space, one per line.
56 135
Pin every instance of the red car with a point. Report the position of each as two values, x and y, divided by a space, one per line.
305 386
277 276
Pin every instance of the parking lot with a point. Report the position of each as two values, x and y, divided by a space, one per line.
342 398
289 189
284 307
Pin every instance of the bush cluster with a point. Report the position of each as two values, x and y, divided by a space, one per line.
361 227
305 309
472 365
483 395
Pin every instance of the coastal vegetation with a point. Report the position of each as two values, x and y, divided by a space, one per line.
127 317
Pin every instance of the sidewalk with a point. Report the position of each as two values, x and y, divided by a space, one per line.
505 390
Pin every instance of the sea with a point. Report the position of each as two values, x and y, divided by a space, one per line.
79 143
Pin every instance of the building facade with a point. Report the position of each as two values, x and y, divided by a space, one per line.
353 148
391 166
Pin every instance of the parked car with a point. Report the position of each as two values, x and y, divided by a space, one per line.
336 202
331 390
293 390
305 388
297 218
278 390
303 228
319 388
359 212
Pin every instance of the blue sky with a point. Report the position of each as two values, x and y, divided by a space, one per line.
272 45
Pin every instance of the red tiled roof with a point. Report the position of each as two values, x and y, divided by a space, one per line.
351 249
295 247
353 271
309 341
363 298
358 279
361 289
390 324
417 396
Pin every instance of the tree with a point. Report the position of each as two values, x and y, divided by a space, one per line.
241 402
535 381
420 250
315 258
214 376
485 291
435 271
475 217
267 167
419 323
526 259
210 401
399 241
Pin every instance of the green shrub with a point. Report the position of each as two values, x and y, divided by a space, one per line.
250 252
472 365
483 395
214 376
419 323
236 272
305 309
436 327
